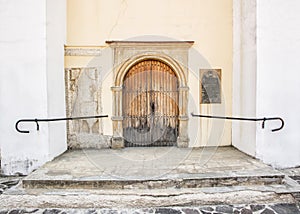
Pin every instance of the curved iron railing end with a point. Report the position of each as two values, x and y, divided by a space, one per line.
245 119
51 120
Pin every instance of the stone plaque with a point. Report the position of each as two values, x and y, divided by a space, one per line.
210 86
83 91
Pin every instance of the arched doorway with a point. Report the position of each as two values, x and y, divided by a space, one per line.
125 60
150 105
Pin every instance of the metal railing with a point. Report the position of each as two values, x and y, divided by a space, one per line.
264 119
36 121
51 120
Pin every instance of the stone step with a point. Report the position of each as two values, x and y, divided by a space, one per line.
273 198
211 199
182 182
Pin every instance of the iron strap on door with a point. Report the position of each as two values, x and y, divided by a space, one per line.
264 119
150 111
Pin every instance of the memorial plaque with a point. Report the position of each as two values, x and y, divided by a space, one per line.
210 86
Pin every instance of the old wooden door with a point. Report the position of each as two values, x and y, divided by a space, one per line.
150 105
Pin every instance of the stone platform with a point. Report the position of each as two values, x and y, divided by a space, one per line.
152 168
155 180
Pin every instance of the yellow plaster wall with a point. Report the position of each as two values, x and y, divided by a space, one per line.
207 22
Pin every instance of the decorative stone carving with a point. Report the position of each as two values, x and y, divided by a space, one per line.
128 53
82 52
84 99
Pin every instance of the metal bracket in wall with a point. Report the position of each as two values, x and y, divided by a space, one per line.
52 120
264 119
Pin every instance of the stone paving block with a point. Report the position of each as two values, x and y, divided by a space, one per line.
285 208
207 209
205 212
246 211
190 211
51 211
167 210
267 211
258 207
224 209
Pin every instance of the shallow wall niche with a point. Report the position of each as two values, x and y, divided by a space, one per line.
128 53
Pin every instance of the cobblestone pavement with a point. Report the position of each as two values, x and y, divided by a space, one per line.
221 209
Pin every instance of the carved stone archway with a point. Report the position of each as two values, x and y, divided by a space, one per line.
127 54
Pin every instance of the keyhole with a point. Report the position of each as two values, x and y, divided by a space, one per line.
152 106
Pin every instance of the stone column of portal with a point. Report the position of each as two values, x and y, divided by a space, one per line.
117 119
183 139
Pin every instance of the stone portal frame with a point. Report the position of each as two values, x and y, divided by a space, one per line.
126 55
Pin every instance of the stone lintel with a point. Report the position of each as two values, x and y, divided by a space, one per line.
83 51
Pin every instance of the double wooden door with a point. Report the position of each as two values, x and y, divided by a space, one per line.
150 105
